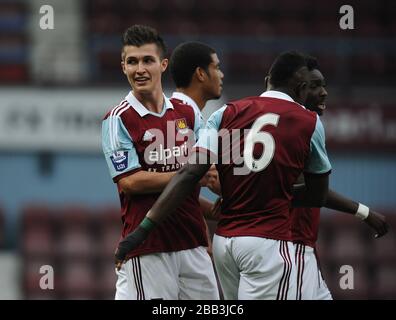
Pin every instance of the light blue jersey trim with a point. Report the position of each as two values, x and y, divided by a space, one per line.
199 123
118 148
208 136
318 161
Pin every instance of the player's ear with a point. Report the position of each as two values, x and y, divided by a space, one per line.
200 74
123 67
164 64
302 91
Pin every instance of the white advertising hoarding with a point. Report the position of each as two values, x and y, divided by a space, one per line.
60 120
54 119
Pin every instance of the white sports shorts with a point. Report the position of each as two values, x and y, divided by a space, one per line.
251 268
179 275
310 283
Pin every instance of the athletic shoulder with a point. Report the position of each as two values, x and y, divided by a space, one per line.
117 110
186 110
306 114
244 101
181 105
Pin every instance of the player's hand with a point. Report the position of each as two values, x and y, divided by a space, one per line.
129 243
208 176
118 262
213 182
378 222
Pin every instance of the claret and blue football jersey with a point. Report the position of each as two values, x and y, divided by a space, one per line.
278 140
134 139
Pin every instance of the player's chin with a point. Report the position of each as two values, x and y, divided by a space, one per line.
142 89
315 109
217 95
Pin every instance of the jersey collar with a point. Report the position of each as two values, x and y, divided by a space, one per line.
142 110
278 95
186 99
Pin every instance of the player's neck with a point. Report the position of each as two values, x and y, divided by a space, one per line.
152 101
195 95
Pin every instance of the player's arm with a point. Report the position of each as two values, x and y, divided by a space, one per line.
207 208
120 154
340 203
313 192
143 182
374 219
123 161
181 185
316 173
146 182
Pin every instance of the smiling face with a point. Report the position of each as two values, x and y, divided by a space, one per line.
316 93
143 67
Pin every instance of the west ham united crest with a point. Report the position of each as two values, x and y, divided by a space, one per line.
181 125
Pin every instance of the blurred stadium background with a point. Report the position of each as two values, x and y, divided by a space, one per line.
58 205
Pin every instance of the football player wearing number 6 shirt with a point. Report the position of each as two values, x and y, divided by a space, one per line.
144 142
279 140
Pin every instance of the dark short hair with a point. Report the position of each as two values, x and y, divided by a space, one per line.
312 63
186 58
139 35
285 66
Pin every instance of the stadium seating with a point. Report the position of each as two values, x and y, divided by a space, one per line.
2 228
348 239
38 230
31 276
343 240
383 250
106 279
342 287
305 22
79 279
79 244
76 233
223 21
384 280
14 68
109 224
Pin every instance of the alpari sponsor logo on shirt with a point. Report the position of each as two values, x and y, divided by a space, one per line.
119 160
167 155
172 146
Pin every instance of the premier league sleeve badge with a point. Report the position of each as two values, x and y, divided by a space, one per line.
119 160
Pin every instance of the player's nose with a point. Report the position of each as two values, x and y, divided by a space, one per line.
323 92
140 67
